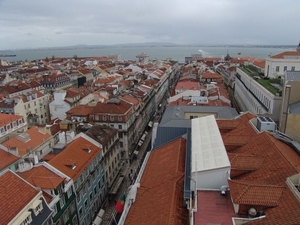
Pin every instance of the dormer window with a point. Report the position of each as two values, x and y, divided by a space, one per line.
37 207
88 150
70 164
27 220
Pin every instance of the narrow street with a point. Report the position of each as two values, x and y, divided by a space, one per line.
111 216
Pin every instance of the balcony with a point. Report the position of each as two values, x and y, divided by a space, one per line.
272 85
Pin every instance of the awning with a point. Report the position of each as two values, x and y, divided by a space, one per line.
143 137
150 124
140 143
116 186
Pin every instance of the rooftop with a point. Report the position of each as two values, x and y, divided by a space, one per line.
272 85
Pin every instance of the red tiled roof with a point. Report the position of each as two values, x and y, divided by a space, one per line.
42 177
214 208
188 85
130 99
6 159
75 155
35 139
81 110
160 197
255 194
287 53
259 171
246 162
209 75
112 108
15 194
8 118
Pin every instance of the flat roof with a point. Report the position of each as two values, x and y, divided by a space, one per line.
208 150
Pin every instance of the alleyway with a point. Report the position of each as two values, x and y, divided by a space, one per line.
110 216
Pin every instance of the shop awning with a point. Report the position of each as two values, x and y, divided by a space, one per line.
140 143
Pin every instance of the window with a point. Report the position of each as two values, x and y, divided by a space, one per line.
119 118
20 121
78 198
84 190
80 211
66 218
62 202
2 130
8 127
293 68
28 106
111 125
69 192
121 144
284 68
112 118
14 124
120 127
27 220
277 68
104 118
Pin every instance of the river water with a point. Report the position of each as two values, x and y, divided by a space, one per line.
160 53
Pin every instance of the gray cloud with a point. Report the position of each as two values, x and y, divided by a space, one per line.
71 22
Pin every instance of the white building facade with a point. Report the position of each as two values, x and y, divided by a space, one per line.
253 97
287 61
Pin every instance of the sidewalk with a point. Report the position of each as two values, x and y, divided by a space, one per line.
110 216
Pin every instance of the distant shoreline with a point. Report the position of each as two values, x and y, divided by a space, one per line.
163 45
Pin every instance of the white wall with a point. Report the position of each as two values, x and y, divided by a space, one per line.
270 66
211 179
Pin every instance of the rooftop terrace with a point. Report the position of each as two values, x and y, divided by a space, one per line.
272 85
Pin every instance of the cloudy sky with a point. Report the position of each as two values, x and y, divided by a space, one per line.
39 23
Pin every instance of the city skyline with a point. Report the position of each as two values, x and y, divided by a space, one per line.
40 24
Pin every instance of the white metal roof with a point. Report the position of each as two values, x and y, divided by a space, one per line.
208 150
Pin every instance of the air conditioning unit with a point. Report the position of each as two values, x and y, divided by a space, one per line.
265 123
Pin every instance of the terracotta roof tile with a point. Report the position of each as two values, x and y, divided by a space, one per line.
34 137
214 208
15 194
259 172
8 118
112 108
159 199
42 177
255 194
81 110
75 155
287 53
6 159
